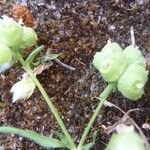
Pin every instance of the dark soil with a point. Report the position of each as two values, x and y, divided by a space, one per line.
75 29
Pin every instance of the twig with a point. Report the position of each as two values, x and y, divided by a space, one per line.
59 62
63 65
132 36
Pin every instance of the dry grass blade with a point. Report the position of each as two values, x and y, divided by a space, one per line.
41 68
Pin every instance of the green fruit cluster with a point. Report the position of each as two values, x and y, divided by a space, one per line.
14 35
126 67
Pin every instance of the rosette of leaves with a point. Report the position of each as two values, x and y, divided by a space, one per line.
110 62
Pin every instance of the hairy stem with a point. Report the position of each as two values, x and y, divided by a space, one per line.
103 97
48 101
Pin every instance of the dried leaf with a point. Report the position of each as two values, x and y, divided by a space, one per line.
41 68
22 12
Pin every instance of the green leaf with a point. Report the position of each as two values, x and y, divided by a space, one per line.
61 136
63 139
50 57
90 145
87 146
33 54
43 141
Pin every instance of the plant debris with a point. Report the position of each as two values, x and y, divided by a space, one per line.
22 12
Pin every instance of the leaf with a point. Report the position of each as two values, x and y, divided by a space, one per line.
22 12
43 141
33 54
90 145
94 136
87 146
50 57
39 69
62 137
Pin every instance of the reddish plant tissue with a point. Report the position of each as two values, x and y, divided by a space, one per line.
22 12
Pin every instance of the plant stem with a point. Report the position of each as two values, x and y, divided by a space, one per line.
48 101
103 97
33 54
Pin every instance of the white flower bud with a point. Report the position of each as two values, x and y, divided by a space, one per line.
23 89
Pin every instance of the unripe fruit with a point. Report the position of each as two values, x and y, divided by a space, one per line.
110 62
5 54
132 82
126 139
10 32
134 55
29 37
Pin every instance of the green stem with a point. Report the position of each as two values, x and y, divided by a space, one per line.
103 97
33 55
48 101
20 59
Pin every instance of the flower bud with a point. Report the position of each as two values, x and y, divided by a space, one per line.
110 62
29 37
132 82
10 32
126 139
23 89
134 55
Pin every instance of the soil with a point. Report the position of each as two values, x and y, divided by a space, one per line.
75 29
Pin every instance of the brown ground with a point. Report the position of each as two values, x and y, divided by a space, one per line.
76 30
